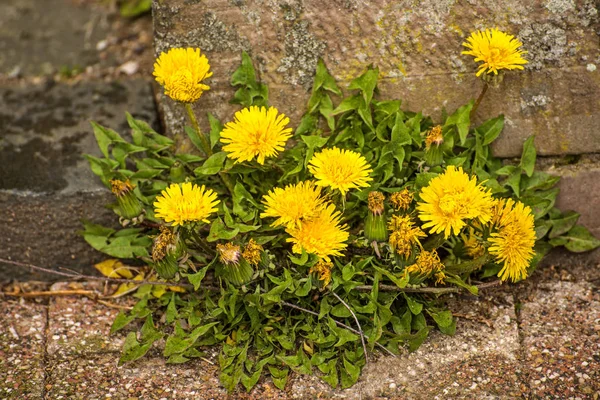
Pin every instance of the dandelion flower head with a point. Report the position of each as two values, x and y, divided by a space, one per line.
496 50
252 252
293 204
401 200
512 242
452 198
322 235
180 204
181 72
340 169
256 132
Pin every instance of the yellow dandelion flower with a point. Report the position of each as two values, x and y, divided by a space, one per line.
376 202
434 136
428 264
512 242
181 72
401 200
472 244
293 204
229 253
323 269
452 198
340 169
496 49
252 252
322 235
404 235
184 203
256 132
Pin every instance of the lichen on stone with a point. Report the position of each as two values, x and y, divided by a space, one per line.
302 50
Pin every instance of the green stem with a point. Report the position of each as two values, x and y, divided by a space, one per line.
205 144
200 242
468 266
478 101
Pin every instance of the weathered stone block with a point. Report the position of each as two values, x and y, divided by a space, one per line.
417 49
39 37
46 186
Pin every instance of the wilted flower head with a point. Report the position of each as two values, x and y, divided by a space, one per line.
434 136
376 202
129 205
428 264
252 252
229 253
181 72
496 50
323 269
340 169
401 200
256 132
404 235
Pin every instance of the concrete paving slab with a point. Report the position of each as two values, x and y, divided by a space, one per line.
22 355
560 327
80 327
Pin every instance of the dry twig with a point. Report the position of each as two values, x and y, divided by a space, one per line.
360 331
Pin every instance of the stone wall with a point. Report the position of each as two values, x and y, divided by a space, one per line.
417 47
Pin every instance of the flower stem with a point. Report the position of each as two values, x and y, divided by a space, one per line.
205 144
478 101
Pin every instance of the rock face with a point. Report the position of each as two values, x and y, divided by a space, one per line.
46 186
417 48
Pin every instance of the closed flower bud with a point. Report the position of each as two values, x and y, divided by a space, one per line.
166 251
232 266
129 207
375 224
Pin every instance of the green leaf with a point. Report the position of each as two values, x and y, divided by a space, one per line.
245 74
279 376
215 130
579 239
528 157
353 372
105 137
314 142
196 279
459 282
213 165
219 231
149 333
400 132
416 340
490 129
121 321
134 8
442 318
414 306
323 79
563 224
366 83
194 138
332 376
461 120
132 350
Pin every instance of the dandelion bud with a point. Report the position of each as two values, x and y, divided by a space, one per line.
129 206
233 267
177 172
166 251
375 224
